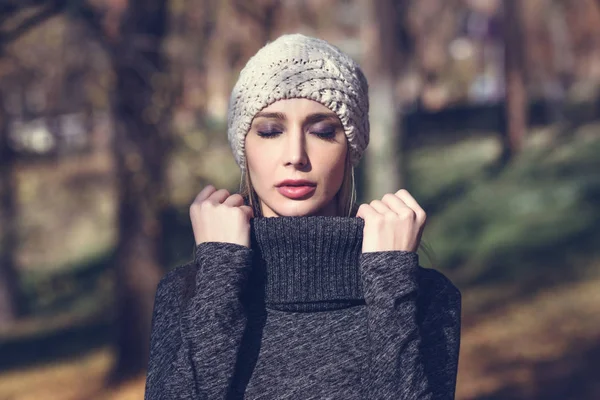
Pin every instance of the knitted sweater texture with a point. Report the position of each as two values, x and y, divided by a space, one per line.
303 314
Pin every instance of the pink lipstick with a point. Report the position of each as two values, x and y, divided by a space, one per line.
296 189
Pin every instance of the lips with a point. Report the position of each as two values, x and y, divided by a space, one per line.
296 192
296 182
296 189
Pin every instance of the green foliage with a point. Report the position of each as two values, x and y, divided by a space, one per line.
532 218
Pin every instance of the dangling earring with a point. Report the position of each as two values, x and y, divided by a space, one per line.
352 195
241 182
250 194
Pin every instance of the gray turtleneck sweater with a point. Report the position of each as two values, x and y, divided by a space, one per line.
303 314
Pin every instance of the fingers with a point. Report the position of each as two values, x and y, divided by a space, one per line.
219 196
222 196
204 193
401 203
410 201
248 211
365 211
381 207
235 200
396 204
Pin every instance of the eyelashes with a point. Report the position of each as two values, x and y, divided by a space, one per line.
328 134
268 134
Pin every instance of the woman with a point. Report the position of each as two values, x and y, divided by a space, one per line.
294 293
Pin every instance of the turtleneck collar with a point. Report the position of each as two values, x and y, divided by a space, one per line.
308 263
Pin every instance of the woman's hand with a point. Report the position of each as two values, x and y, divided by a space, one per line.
218 216
395 222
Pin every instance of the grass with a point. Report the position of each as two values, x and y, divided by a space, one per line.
530 219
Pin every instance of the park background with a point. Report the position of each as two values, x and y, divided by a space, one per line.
113 117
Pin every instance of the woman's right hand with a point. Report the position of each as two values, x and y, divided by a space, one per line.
218 216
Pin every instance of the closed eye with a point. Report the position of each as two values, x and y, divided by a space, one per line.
268 134
327 135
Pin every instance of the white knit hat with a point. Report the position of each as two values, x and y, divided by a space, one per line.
298 66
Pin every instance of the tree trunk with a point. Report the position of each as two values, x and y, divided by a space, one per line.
11 300
383 159
516 96
142 109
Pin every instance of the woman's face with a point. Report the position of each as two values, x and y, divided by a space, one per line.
296 139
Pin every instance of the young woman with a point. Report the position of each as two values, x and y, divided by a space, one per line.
294 292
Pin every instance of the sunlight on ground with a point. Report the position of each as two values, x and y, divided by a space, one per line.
78 379
524 344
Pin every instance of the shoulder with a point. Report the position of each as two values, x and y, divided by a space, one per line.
434 285
177 284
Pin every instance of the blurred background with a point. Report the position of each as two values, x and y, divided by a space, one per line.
113 117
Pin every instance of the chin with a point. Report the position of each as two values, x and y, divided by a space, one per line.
296 208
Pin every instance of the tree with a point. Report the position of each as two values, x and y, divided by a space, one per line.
383 160
131 32
10 293
263 13
516 96
142 106
11 296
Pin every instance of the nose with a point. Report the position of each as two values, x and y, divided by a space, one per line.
295 152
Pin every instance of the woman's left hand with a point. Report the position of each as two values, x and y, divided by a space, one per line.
395 222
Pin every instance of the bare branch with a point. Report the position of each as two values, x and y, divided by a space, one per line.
9 8
77 9
52 9
92 18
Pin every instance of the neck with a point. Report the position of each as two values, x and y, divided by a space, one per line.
308 263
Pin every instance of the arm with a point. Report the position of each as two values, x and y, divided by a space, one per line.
215 319
194 345
440 331
169 374
396 368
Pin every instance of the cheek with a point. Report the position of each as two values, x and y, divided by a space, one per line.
256 169
260 167
335 166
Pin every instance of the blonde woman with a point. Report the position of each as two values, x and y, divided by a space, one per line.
295 292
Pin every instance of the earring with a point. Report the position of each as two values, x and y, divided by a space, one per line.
352 195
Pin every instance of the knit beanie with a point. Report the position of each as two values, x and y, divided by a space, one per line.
298 66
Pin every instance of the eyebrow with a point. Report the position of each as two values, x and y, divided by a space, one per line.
272 115
312 118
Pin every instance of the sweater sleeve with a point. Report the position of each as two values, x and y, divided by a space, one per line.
440 330
169 374
215 318
397 367
194 345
